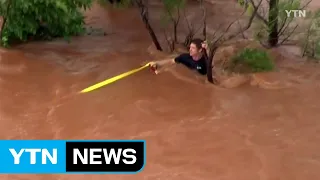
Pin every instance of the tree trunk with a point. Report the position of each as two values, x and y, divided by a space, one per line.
4 19
2 24
152 33
175 33
209 59
145 19
273 23
204 30
114 1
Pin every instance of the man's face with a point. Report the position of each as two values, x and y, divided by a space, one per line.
193 50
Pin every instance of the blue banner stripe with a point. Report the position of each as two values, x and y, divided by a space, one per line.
47 147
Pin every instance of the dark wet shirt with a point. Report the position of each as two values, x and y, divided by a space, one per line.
188 61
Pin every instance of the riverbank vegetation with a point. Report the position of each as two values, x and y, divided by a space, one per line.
271 25
41 19
250 60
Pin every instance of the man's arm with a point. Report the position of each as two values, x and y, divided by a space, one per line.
170 61
158 64
163 62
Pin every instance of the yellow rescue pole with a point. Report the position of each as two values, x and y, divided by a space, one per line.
113 79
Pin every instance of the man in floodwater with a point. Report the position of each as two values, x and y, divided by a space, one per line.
195 59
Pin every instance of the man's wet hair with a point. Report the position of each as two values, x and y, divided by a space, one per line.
198 42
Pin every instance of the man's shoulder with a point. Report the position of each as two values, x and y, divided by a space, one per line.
185 55
183 58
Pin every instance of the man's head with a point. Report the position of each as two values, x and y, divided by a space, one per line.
196 47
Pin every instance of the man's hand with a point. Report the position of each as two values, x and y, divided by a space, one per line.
204 45
159 64
154 67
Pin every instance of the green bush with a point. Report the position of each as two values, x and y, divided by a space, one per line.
41 18
310 40
251 60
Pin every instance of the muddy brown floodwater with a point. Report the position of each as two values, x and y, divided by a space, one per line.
194 131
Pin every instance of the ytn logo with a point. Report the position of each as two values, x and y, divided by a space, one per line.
296 13
32 152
